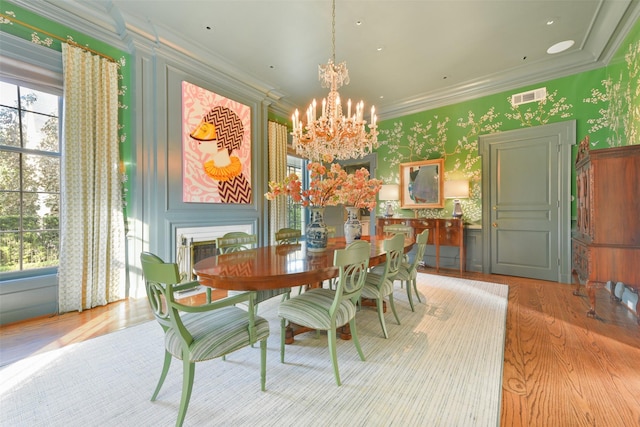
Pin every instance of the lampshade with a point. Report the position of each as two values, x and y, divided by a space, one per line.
456 189
389 192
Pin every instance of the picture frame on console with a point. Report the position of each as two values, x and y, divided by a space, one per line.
422 184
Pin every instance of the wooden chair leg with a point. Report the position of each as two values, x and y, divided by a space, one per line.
380 307
189 369
163 375
332 350
415 288
409 296
263 364
283 336
356 341
393 308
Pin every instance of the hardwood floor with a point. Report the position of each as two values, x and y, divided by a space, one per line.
560 367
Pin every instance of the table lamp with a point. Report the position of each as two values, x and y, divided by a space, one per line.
456 189
389 193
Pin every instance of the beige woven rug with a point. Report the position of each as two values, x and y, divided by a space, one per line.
441 367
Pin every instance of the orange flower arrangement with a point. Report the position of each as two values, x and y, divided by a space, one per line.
329 187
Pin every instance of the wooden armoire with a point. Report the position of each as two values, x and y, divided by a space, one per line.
606 242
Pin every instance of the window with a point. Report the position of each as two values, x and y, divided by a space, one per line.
29 177
294 210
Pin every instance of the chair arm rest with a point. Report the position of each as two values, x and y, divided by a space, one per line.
249 296
185 286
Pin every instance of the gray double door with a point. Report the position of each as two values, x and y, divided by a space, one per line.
527 201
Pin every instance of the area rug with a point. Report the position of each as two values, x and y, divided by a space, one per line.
441 367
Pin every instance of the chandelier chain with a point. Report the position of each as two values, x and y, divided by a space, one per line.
332 135
333 32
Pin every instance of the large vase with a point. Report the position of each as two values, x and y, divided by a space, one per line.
353 226
316 232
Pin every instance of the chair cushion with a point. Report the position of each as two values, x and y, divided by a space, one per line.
215 333
311 309
405 274
373 289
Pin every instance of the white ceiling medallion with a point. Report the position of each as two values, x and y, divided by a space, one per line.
560 47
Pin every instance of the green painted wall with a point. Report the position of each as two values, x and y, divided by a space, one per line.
605 104
43 32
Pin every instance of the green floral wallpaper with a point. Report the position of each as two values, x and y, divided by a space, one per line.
605 104
42 31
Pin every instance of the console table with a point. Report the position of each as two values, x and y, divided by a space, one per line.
442 232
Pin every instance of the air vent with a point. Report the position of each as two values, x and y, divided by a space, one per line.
530 96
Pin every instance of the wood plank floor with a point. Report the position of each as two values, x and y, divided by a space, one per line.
560 367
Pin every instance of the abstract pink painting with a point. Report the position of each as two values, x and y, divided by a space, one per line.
216 148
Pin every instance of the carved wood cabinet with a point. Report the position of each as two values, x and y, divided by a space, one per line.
606 242
442 232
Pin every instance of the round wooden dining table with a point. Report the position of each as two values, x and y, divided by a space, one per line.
279 266
282 266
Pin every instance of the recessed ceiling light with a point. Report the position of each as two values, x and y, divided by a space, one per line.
381 96
553 20
560 47
208 27
358 23
379 48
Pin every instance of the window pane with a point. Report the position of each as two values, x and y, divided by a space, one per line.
9 210
9 127
8 94
50 208
30 207
39 102
40 132
40 249
41 173
10 171
9 251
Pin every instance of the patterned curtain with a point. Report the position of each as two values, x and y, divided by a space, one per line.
277 172
92 235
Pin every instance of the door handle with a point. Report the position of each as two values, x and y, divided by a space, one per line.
494 225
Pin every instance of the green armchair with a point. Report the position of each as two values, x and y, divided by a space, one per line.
197 333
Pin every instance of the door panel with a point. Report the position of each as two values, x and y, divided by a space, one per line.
524 208
526 201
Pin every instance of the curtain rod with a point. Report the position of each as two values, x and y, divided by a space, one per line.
71 42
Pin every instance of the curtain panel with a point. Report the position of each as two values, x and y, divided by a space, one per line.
277 172
92 235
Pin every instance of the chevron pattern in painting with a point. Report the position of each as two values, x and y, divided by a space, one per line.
236 190
229 129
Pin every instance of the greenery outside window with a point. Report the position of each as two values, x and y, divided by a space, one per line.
294 211
29 177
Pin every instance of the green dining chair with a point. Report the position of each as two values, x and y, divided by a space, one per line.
197 333
408 272
237 241
325 309
288 236
379 284
393 229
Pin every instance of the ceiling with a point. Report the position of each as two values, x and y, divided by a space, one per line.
404 56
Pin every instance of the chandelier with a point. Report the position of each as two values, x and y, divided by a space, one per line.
333 135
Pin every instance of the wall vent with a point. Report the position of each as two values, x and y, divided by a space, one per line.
530 96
